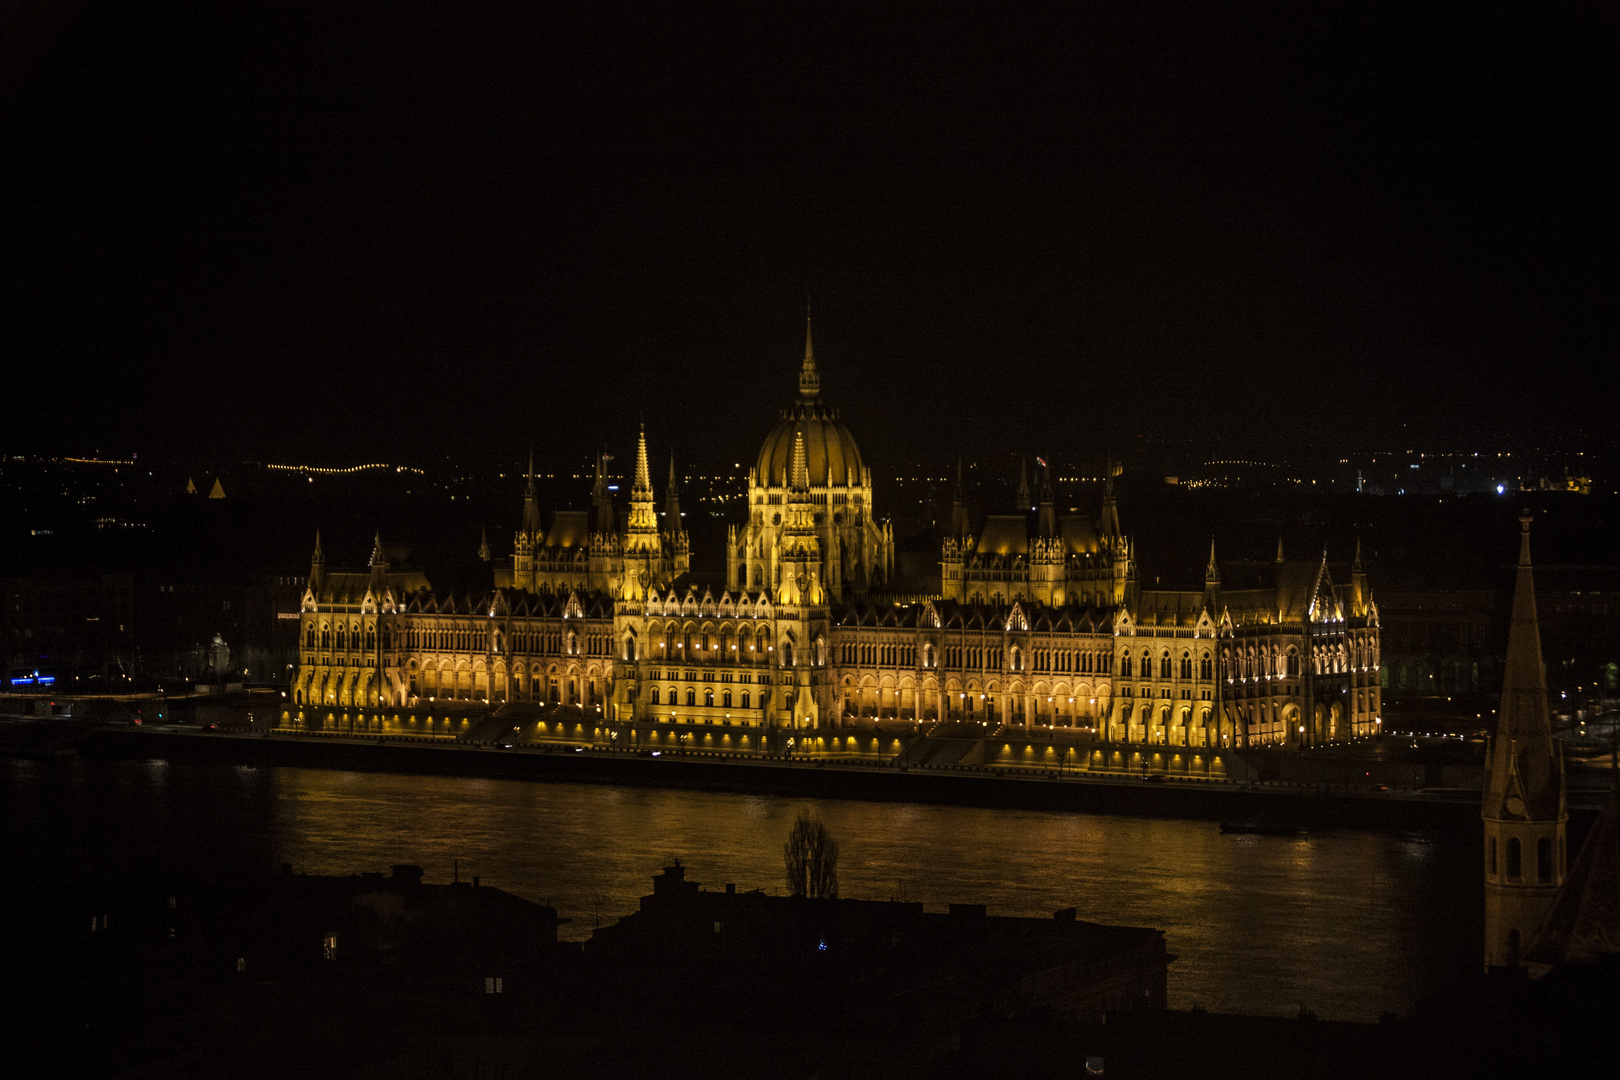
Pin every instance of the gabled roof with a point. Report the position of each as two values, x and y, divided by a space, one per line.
1079 534
1004 534
569 529
1584 923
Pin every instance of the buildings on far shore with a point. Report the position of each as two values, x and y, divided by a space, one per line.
1038 621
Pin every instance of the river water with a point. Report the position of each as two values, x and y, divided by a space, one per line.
1349 925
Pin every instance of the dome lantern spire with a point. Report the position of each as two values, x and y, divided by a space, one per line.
809 377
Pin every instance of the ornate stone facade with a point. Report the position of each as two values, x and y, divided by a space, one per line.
1039 621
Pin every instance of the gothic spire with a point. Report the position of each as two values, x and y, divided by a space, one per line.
1047 522
376 550
672 500
642 488
1110 509
1023 484
1212 572
1279 549
317 565
799 469
960 525
531 503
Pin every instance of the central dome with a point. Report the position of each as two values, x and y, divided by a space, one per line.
828 446
831 456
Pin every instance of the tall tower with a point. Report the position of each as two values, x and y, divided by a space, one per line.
1523 806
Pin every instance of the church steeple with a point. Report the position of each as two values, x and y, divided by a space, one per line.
809 377
1523 806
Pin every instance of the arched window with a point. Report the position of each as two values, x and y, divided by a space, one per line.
787 654
1186 665
1293 662
1491 856
310 638
928 655
655 695
629 648
745 697
1514 869
708 698
691 696
725 699
1125 665
1164 666
1206 667
1544 860
1147 665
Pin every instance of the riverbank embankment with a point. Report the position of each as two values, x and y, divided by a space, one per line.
1316 806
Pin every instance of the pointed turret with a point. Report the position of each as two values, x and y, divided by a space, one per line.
376 551
1046 522
642 487
1110 509
483 544
960 525
1523 806
1212 584
1279 549
1024 503
531 504
672 500
317 566
602 498
799 469
809 377
1212 572
1358 584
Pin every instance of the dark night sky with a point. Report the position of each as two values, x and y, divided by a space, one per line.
335 232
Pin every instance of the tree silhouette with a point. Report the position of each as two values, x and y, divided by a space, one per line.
811 856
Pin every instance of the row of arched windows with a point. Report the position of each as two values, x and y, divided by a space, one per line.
745 698
1515 859
1169 667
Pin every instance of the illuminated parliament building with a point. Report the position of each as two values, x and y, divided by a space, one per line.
1038 621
